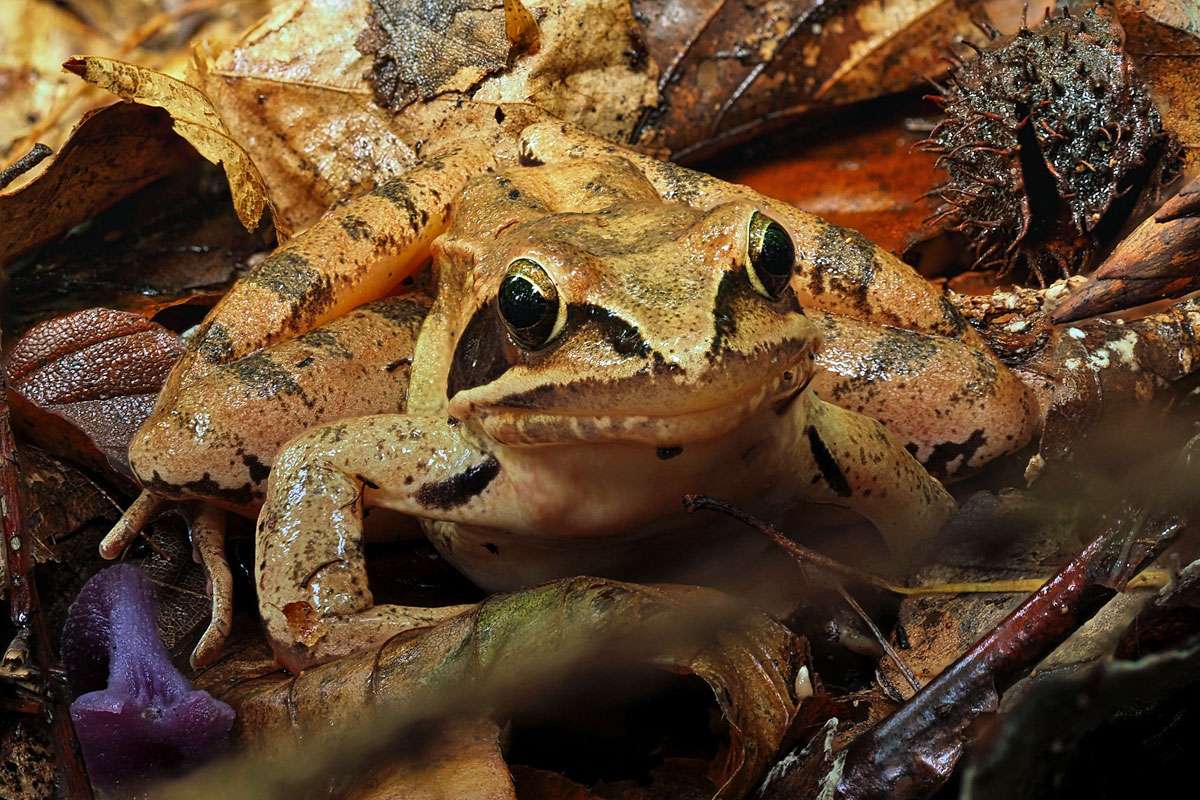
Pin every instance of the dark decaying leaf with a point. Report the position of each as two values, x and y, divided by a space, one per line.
731 70
83 383
176 241
505 655
1042 136
59 500
1085 729
113 152
421 50
27 769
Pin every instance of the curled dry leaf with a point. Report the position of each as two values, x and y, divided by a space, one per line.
80 385
193 118
113 152
503 655
176 241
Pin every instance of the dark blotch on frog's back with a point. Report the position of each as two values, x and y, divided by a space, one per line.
406 311
292 278
457 490
843 261
398 193
260 373
945 453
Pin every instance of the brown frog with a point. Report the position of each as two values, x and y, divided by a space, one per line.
608 332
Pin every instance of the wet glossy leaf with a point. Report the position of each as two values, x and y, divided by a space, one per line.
733 70
80 385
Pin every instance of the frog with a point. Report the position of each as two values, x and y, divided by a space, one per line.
604 332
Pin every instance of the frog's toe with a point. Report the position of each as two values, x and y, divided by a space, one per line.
208 543
136 517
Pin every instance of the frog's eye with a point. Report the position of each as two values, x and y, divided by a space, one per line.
529 304
771 254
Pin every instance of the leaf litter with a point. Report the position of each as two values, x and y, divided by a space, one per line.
321 85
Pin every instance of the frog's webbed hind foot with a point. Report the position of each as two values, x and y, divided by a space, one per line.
207 529
208 548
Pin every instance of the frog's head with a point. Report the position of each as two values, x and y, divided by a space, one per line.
592 310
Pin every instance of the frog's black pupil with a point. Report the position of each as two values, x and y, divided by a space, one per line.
778 253
522 304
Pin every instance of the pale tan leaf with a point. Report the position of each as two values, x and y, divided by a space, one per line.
194 118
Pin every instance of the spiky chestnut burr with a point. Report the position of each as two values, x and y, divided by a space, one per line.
1046 140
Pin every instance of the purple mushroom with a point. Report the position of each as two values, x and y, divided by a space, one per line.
140 718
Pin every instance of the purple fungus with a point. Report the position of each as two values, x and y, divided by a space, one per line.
136 716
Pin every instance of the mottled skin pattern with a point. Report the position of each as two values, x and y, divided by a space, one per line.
671 374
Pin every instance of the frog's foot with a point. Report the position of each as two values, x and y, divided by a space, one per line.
311 574
208 544
137 516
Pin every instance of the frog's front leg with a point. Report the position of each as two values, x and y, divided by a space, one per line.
312 583
851 460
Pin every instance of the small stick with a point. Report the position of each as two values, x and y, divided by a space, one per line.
1147 579
695 502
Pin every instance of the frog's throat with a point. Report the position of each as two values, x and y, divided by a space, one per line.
525 427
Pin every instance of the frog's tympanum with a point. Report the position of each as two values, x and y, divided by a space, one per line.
607 333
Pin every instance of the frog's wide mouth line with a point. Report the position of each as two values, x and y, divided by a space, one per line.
528 427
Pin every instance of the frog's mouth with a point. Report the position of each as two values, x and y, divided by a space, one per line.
522 426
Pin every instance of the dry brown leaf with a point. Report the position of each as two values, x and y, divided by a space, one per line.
294 91
176 241
732 70
80 385
193 118
1163 37
504 654
113 152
